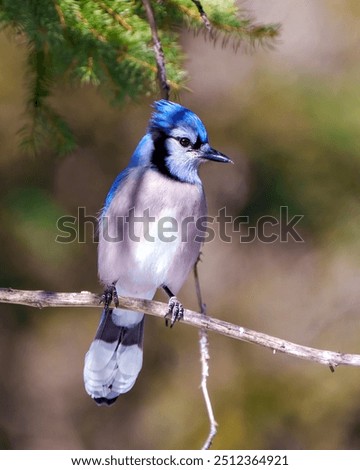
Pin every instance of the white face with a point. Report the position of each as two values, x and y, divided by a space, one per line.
187 132
184 144
184 151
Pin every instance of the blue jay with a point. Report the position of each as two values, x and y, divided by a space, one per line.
160 186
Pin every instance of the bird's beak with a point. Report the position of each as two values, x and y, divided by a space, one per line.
215 156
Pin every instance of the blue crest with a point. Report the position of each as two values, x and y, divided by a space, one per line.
169 115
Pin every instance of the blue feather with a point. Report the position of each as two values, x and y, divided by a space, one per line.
113 189
169 115
140 157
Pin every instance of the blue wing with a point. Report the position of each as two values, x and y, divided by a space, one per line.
140 157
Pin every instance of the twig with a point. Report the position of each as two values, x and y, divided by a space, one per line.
117 17
203 15
159 54
42 299
204 358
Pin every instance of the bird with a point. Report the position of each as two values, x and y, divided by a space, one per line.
150 237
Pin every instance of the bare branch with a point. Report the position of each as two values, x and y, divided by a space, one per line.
204 358
42 299
203 15
159 54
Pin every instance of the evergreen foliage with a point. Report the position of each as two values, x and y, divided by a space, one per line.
108 43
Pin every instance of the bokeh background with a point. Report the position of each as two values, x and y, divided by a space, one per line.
290 120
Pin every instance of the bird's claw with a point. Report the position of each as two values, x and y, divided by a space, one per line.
175 312
109 295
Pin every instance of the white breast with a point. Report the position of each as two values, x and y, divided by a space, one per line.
159 246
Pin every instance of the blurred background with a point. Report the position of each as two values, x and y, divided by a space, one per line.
290 119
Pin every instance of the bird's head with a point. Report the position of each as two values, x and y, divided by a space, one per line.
180 142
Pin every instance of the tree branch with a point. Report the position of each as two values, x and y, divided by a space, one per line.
159 54
204 358
41 299
204 16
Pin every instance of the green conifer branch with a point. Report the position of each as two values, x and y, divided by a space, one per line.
117 17
109 44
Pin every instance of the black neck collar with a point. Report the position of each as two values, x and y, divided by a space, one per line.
160 154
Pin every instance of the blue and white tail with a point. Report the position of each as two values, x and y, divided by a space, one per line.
115 357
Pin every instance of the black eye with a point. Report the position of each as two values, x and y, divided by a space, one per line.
184 141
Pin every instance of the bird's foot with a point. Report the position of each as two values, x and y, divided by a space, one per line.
108 296
175 312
